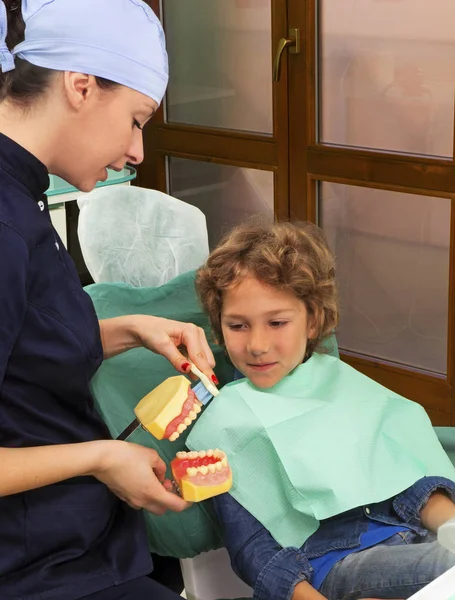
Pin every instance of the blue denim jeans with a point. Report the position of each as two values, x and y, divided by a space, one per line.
397 568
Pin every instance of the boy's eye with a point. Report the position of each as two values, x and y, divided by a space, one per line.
236 326
278 324
137 124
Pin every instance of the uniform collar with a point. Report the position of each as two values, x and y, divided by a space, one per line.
24 167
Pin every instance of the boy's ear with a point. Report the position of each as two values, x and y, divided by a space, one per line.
314 324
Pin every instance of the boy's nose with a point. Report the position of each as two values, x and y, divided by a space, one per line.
258 343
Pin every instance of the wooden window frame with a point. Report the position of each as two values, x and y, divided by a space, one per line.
418 175
226 146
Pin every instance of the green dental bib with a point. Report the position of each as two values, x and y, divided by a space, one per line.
324 440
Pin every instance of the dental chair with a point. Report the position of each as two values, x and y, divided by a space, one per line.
141 248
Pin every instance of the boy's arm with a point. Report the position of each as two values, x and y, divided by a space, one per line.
305 591
272 571
409 504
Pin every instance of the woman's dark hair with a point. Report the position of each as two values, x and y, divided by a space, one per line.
27 82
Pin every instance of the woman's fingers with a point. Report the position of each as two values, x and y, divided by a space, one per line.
166 337
159 502
199 351
175 357
160 499
158 506
159 467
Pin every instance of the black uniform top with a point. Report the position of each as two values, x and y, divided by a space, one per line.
64 541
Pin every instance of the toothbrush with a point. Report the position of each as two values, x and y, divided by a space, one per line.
205 390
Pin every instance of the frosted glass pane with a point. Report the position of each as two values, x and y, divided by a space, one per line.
220 59
226 195
393 270
388 74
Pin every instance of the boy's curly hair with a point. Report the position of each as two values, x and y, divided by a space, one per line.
288 256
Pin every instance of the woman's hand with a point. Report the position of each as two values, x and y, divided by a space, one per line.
137 476
162 336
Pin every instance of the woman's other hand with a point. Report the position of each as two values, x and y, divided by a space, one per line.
137 476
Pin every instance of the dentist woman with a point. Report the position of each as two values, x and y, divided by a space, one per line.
76 90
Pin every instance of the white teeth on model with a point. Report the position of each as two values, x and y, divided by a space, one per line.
204 470
192 415
197 408
175 436
187 421
181 428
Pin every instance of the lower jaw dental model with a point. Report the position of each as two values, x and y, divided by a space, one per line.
201 475
166 412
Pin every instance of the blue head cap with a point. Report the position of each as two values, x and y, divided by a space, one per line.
119 40
6 58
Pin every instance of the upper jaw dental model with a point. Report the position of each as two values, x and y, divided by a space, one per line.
169 409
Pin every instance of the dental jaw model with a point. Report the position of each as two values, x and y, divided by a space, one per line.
166 412
201 475
169 409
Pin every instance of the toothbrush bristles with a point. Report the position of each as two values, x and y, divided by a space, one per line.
202 393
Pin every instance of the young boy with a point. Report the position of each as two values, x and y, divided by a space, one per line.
340 485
